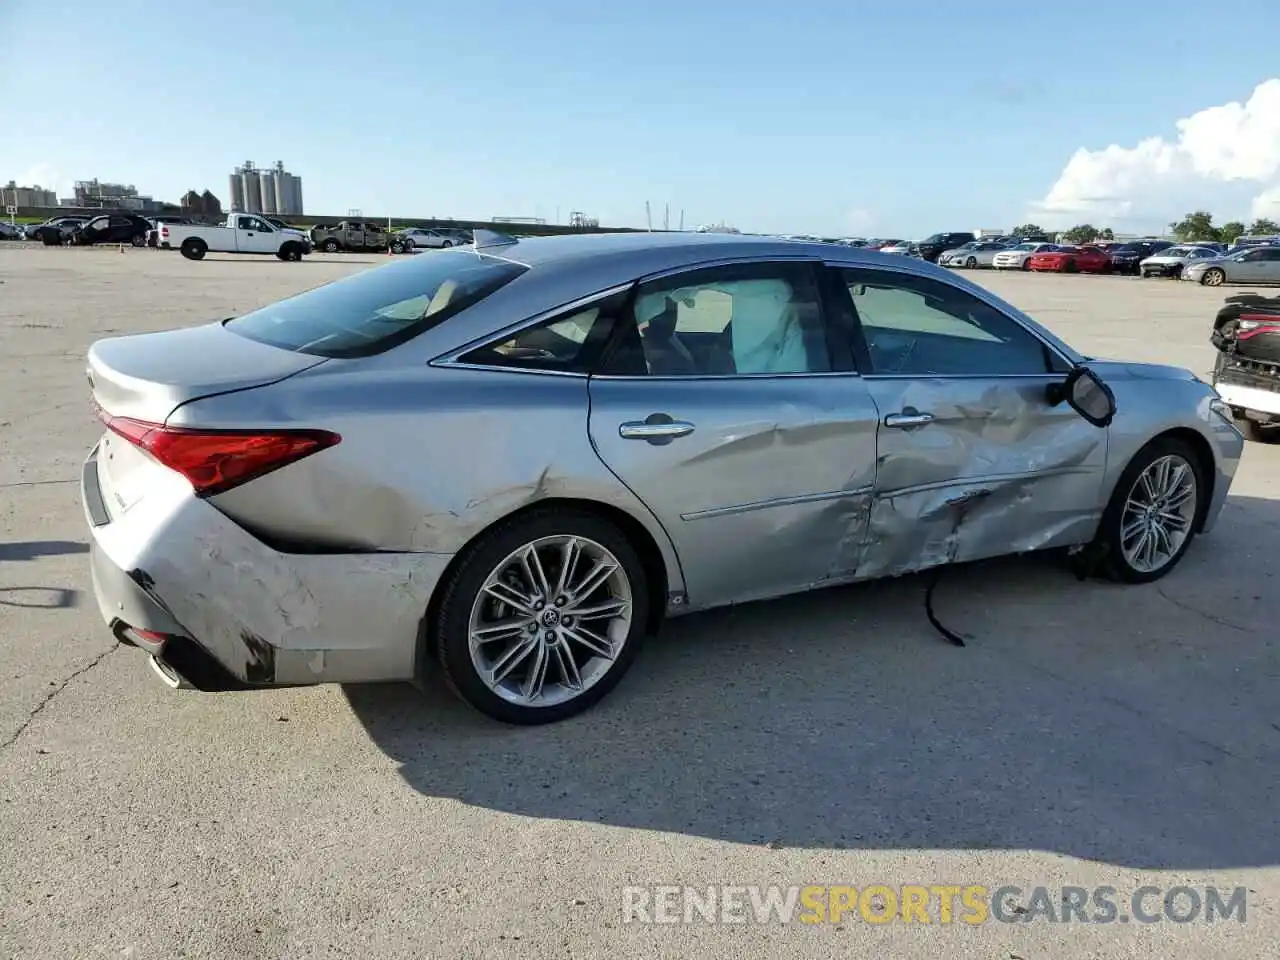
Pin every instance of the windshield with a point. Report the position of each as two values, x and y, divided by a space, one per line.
378 309
1175 252
1027 246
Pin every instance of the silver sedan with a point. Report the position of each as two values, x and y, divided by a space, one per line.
981 253
1251 265
509 463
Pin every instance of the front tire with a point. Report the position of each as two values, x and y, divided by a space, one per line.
1214 278
971 263
330 246
139 240
542 617
446 245
1152 517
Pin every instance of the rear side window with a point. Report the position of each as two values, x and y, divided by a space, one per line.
376 310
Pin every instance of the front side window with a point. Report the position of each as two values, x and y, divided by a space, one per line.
744 319
370 312
918 326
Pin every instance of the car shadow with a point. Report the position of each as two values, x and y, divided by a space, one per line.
1128 725
30 550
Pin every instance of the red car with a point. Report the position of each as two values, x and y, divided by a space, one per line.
1068 259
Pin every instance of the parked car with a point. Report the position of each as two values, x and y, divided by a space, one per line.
415 238
980 253
242 233
111 228
11 231
1251 265
1067 258
1246 374
933 247
54 231
1126 257
351 235
900 247
630 456
1170 261
1019 257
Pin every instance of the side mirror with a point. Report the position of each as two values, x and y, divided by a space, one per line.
1087 395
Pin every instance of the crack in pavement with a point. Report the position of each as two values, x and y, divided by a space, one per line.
49 697
34 483
1221 621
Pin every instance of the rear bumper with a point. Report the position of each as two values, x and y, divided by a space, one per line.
225 611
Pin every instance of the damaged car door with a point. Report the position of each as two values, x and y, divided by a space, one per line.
978 453
727 408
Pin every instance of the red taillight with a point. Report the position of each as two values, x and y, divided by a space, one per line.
164 232
214 461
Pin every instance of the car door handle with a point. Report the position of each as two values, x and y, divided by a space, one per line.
908 418
654 429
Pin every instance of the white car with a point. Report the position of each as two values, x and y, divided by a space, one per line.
903 248
1018 258
1169 262
979 253
412 238
242 233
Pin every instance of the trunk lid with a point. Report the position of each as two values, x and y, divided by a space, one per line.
149 375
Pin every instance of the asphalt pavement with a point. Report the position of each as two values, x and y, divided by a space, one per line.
1088 735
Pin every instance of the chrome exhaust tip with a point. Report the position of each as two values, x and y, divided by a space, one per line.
168 675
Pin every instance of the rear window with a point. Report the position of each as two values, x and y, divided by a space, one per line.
378 309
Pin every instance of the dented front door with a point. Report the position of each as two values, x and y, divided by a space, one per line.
974 457
973 468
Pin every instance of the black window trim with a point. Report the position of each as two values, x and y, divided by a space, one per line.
841 360
863 354
453 358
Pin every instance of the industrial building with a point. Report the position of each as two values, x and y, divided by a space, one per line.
271 190
13 195
91 194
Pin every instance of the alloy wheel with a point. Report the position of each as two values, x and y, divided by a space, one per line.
1158 514
1213 278
550 620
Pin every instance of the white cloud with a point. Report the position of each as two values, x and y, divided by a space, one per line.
47 176
860 220
1233 142
1267 204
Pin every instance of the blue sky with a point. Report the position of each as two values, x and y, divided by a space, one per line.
856 117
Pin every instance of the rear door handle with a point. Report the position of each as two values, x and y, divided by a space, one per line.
909 417
656 428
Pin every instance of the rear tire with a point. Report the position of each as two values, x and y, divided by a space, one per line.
330 246
1166 481
1070 267
446 244
193 248
547 630
139 240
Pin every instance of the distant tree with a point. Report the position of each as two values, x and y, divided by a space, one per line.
1228 232
1028 230
1263 225
1107 234
1196 226
1081 233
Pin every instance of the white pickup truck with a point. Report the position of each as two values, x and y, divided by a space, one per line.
242 233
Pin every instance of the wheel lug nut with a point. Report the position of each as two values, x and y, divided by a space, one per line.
550 636
533 628
559 601
538 605
568 621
